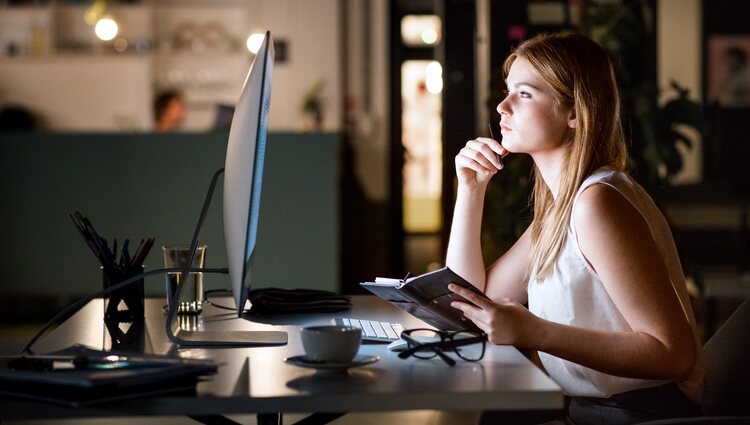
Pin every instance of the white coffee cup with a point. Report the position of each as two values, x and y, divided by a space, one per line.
331 344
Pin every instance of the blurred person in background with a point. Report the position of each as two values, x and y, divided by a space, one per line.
169 111
16 119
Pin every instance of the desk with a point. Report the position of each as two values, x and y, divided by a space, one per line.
256 380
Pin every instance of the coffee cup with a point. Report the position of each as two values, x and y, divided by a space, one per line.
330 344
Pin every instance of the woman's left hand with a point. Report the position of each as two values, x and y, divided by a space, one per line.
505 321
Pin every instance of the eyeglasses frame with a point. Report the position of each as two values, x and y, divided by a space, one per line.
446 343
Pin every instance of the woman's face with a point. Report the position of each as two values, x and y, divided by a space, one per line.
530 120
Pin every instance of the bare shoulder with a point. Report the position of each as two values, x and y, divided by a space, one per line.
602 208
615 238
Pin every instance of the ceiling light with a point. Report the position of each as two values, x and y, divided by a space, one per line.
254 42
106 29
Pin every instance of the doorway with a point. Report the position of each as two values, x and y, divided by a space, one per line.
417 145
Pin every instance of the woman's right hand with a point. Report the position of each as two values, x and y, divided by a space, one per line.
478 161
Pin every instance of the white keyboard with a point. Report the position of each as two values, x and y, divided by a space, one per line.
373 330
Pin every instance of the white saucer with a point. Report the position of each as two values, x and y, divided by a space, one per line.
359 360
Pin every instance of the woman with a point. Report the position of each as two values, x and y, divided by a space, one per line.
608 311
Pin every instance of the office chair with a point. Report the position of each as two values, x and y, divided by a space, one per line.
728 366
706 420
727 392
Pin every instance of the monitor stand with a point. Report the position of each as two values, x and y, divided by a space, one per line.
184 338
231 338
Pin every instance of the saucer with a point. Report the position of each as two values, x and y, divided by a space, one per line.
303 361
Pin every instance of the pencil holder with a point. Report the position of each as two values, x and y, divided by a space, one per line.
124 304
127 338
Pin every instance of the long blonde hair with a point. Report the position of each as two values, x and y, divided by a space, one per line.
582 77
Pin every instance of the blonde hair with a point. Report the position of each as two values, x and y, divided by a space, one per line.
582 77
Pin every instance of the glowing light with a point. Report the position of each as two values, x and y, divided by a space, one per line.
421 30
106 29
94 12
429 36
120 44
254 42
434 77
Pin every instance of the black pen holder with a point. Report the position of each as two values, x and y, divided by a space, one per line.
124 304
129 337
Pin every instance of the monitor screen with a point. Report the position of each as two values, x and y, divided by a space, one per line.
243 171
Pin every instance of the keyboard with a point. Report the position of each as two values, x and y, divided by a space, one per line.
372 330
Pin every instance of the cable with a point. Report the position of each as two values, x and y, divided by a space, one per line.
227 338
185 270
78 304
216 291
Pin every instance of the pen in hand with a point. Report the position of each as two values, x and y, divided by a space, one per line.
497 155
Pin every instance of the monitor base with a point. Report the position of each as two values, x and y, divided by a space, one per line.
230 338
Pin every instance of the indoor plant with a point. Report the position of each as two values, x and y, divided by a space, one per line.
626 30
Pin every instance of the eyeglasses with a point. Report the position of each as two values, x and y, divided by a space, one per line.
428 343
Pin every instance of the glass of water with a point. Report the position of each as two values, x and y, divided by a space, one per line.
191 299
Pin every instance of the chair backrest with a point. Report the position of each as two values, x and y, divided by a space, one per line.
706 420
728 366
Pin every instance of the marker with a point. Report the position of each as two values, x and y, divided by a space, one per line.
497 155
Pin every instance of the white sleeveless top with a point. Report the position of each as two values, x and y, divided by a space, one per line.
573 294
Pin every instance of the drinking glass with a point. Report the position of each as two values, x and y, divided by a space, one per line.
191 300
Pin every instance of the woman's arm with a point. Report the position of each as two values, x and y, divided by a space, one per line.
616 241
464 255
475 166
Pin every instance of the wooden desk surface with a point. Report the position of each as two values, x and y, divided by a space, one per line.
257 380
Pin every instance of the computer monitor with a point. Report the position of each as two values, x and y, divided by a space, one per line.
243 179
243 171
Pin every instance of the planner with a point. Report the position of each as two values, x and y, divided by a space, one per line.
427 297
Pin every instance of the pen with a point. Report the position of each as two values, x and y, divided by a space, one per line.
137 252
142 252
125 254
497 155
98 241
93 246
106 256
